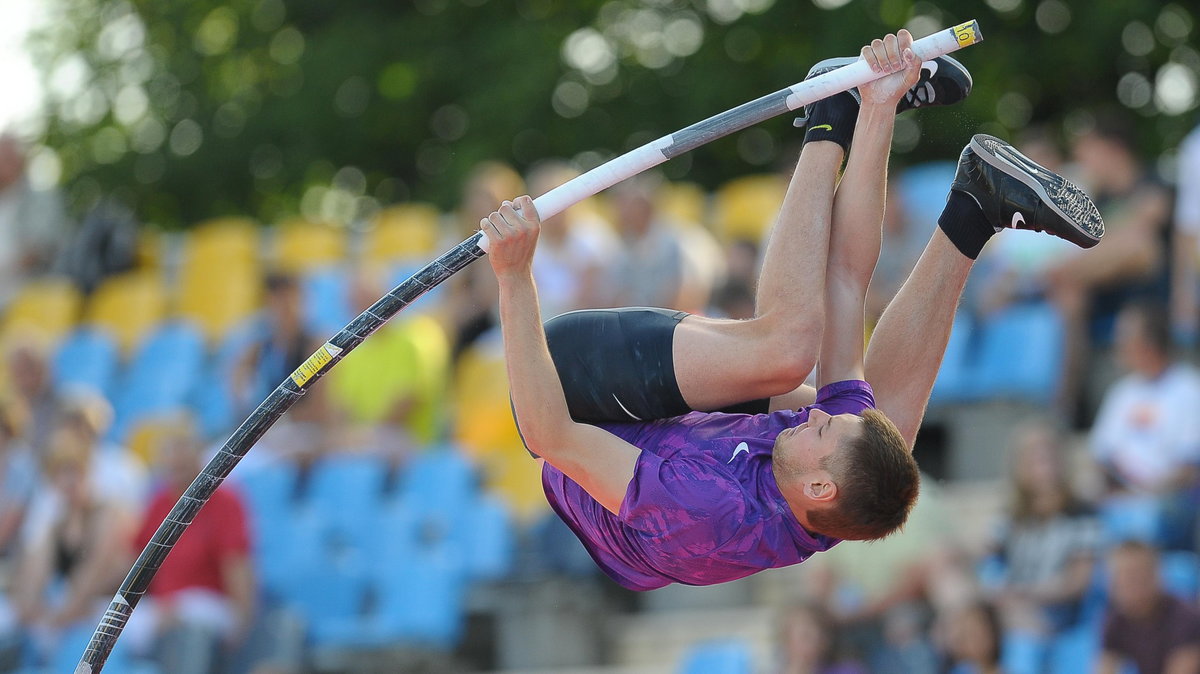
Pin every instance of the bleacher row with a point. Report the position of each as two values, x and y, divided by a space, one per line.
372 556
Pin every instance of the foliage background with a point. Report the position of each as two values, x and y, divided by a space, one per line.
273 108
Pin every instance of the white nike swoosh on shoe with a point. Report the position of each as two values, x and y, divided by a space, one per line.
930 66
1017 219
742 447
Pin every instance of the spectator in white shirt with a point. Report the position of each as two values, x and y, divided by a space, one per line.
1147 433
1185 298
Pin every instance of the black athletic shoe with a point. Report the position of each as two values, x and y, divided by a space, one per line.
1014 191
943 81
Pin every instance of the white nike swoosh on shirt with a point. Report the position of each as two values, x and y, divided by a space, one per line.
742 447
931 66
1018 219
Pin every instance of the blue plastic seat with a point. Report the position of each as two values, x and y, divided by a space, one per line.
161 377
421 602
268 492
1021 352
955 379
1022 653
718 657
491 541
1074 650
439 481
327 300
348 491
1180 572
88 357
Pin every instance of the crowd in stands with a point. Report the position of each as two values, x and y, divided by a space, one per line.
393 505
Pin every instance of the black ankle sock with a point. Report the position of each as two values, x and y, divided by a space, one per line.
832 119
964 224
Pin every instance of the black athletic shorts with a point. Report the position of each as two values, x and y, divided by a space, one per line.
617 364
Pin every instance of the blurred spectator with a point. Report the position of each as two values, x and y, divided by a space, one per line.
279 344
1051 541
649 272
808 643
973 639
472 301
1146 627
1132 261
115 471
574 249
1147 434
32 222
73 556
28 361
408 404
906 648
18 476
1185 283
201 603
734 297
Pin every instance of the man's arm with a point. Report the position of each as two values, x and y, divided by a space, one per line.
599 461
858 209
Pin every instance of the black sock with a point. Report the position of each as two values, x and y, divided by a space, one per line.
832 119
964 224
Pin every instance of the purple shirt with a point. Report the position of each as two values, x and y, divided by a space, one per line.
703 506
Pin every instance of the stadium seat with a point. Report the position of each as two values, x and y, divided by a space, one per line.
161 376
1022 653
47 308
1020 353
684 203
74 642
440 481
1180 571
1131 517
744 208
491 543
219 298
129 306
87 357
228 241
212 404
301 246
1074 650
347 491
327 300
268 491
718 657
402 234
955 378
421 602
923 189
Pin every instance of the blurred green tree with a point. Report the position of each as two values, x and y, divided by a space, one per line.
189 110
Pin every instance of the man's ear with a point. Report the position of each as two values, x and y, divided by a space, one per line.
820 488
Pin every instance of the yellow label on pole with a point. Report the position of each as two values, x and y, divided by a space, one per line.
967 33
315 363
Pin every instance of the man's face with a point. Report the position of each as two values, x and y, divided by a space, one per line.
1134 583
803 447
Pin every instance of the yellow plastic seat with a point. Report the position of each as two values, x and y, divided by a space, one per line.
745 208
218 299
685 203
402 232
128 306
48 307
223 241
301 246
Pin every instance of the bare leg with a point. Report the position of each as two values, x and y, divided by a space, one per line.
906 349
719 362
